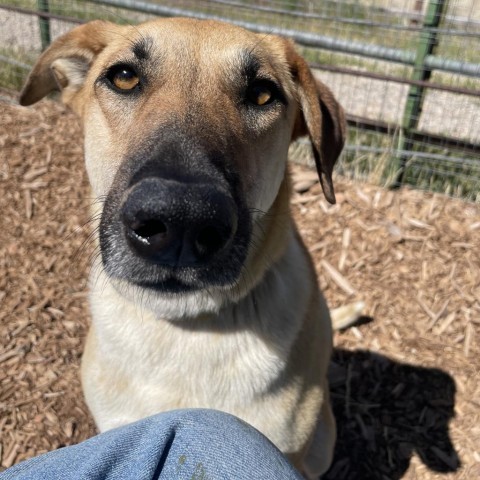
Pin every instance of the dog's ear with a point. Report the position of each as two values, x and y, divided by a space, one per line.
320 116
65 63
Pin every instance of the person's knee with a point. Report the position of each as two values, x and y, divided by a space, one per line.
208 419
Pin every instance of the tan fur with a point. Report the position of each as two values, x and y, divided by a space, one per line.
258 349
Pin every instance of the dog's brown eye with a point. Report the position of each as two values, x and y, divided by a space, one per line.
260 95
125 79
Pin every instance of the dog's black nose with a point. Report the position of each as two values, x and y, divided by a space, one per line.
178 224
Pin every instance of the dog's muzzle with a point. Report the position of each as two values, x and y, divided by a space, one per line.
175 219
176 224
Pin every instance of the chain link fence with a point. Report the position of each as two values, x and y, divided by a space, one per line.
406 71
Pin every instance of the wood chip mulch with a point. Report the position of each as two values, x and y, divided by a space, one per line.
405 382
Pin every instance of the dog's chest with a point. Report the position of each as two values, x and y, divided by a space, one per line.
144 365
137 364
200 366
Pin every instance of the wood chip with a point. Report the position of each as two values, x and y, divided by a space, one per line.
68 429
28 204
30 132
301 199
395 232
12 353
304 185
418 223
34 173
35 185
53 394
414 238
425 308
328 208
468 339
56 313
305 175
474 226
338 278
319 246
342 260
347 235
10 455
436 316
363 197
433 204
446 323
367 228
463 245
21 325
357 333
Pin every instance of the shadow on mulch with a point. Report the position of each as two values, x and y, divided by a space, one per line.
386 411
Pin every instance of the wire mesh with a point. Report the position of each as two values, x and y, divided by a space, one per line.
366 51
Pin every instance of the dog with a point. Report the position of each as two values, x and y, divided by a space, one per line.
204 294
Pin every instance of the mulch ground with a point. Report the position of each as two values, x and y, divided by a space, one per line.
405 383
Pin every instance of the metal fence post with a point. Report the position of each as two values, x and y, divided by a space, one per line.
427 42
44 24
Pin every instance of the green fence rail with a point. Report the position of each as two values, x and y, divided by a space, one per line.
44 24
428 40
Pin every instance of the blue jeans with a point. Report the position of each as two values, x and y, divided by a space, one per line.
182 444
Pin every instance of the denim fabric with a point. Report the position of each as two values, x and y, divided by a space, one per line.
182 444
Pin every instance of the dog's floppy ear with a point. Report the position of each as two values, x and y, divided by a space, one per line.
65 63
321 117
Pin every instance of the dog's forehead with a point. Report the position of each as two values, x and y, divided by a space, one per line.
196 34
184 43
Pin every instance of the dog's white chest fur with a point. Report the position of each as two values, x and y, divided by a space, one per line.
137 364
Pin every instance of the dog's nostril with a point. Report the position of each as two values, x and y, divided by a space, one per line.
150 228
209 240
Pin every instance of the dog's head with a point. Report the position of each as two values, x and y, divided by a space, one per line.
187 127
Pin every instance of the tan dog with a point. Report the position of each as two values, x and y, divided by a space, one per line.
205 295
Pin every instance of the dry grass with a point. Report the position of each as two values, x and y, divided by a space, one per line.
405 386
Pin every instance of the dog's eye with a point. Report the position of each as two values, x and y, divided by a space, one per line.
124 78
260 94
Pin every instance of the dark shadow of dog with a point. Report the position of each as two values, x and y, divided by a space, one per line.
386 411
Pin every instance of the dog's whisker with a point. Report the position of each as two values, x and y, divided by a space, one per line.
85 246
